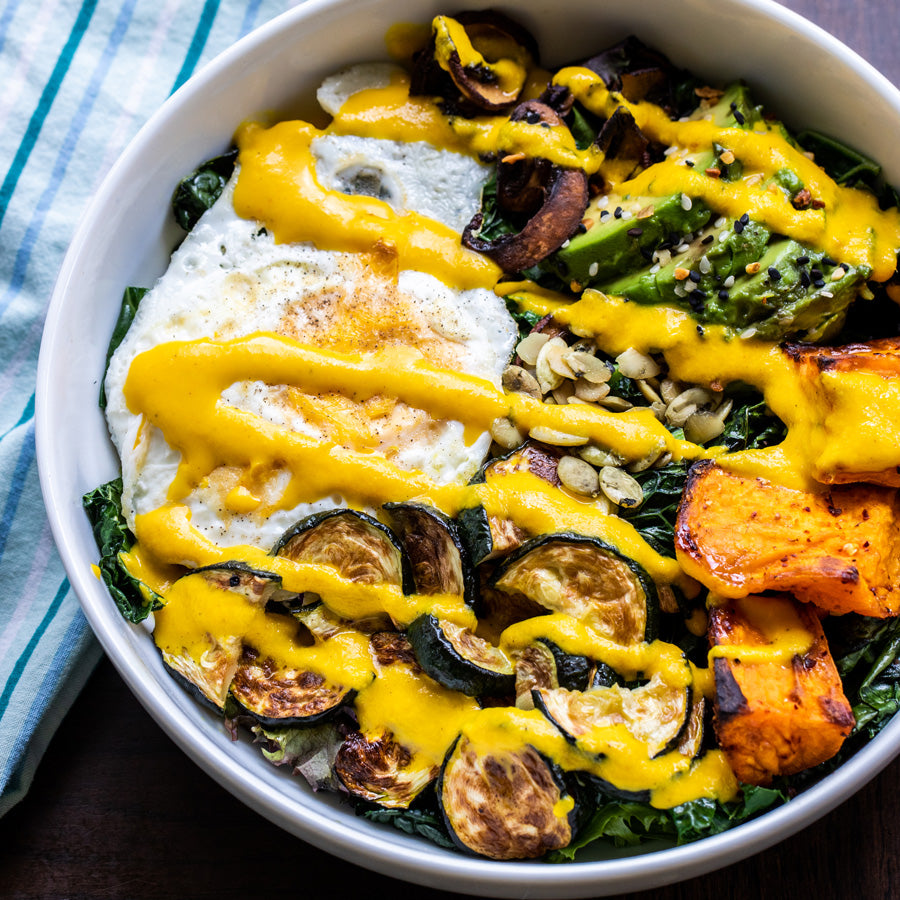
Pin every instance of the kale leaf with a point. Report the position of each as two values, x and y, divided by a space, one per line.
130 301
423 823
103 506
197 192
655 517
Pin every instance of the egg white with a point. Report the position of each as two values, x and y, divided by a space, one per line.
229 279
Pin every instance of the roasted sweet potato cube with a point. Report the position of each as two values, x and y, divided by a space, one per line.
839 549
779 708
853 396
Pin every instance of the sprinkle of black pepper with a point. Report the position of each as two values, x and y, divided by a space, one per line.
774 274
745 219
635 232
695 277
738 226
618 212
802 260
723 294
805 280
708 239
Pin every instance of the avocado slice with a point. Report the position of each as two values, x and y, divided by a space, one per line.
623 232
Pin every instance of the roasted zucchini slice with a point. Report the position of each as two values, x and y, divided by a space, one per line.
278 696
207 671
440 561
504 803
358 546
656 714
460 660
586 579
379 769
545 665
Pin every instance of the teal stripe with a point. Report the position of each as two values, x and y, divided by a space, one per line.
22 661
198 42
51 89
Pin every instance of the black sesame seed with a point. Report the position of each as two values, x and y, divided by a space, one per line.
723 294
738 226
689 163
697 294
708 239
774 274
618 212
828 261
695 277
581 229
665 245
647 253
697 300
816 274
635 232
700 330
745 219
738 117
805 280
532 117
802 260
819 282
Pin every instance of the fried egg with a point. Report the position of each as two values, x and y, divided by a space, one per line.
230 279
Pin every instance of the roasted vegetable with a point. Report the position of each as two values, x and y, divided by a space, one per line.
854 391
586 579
439 559
779 706
358 546
504 803
460 660
838 550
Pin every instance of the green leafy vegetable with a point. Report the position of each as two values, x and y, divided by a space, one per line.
420 822
130 301
310 752
655 517
494 223
703 818
621 824
103 506
197 192
524 318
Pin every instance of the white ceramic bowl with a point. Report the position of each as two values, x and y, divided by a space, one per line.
126 236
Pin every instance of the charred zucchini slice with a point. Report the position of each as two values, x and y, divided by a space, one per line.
460 660
278 696
381 770
545 665
358 546
656 714
207 673
440 561
504 803
586 579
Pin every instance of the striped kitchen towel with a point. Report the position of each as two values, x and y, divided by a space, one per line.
79 78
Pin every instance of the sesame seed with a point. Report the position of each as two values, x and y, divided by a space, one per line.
565 244
690 163
723 236
827 294
604 215
682 248
686 202
645 251
603 202
680 291
805 280
695 277
626 215
618 212
700 330
654 269
705 265
697 294
816 274
802 260
838 273
738 226
719 222
670 150
593 269
580 229
635 232
723 294
738 117
819 283
745 219
774 274
828 261
708 239
729 281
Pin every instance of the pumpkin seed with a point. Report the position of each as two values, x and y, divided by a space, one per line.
505 433
620 487
615 404
597 456
520 381
649 394
547 375
578 476
557 349
528 348
590 392
564 392
647 460
705 425
587 366
634 364
557 438
669 389
686 404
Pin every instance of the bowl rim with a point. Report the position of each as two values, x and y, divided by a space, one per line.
308 819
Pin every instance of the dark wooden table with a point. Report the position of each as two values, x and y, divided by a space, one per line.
117 811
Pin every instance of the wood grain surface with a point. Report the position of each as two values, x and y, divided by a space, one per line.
117 811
